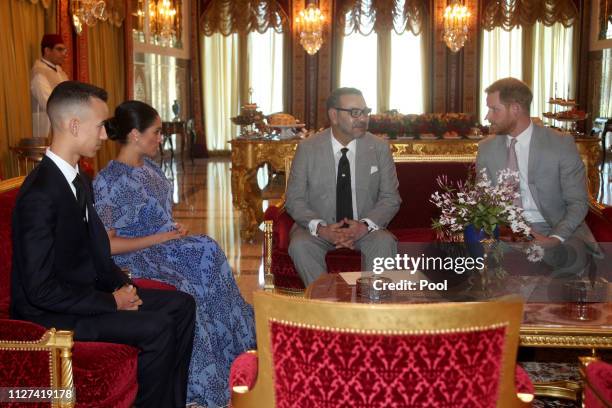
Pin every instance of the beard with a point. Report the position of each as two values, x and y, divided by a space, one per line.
504 127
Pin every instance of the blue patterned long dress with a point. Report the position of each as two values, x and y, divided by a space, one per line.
136 202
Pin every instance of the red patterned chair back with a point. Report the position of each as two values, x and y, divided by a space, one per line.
319 354
8 194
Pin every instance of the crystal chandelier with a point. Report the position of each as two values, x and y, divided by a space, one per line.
456 22
309 25
87 12
163 21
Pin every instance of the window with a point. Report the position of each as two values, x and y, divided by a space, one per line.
266 74
160 80
358 67
222 82
220 89
151 34
406 73
161 66
553 74
605 109
362 57
501 58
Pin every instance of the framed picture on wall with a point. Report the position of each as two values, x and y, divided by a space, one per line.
601 25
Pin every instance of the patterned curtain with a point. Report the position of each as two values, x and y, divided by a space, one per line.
228 17
365 16
509 14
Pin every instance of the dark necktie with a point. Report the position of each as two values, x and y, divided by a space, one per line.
344 199
512 165
80 196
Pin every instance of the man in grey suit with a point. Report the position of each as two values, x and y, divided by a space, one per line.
342 190
553 187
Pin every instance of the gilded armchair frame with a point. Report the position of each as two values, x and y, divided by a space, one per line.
58 343
381 318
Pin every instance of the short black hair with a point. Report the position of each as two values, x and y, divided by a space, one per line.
334 97
73 93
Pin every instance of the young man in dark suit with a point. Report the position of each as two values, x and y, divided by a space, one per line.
63 275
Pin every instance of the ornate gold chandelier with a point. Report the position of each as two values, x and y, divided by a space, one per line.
164 21
456 25
87 12
309 25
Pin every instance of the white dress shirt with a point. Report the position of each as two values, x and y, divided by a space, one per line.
68 171
530 209
350 155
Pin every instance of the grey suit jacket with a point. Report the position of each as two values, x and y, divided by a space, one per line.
556 177
311 190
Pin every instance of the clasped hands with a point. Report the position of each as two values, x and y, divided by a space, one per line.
127 298
178 232
343 234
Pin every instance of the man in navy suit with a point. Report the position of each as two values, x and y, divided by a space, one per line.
63 275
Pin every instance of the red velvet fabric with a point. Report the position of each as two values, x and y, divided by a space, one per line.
104 374
522 382
152 284
324 368
607 212
244 371
417 182
19 330
25 369
600 225
281 226
7 202
598 392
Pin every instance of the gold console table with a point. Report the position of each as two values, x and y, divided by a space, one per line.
249 155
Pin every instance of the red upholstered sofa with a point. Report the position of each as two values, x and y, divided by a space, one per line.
103 374
417 181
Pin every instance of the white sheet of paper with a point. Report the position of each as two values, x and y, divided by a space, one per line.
396 276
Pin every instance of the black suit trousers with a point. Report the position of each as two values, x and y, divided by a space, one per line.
163 330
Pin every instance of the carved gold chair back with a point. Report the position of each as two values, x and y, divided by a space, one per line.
381 319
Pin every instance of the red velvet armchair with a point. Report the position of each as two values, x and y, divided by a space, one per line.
103 374
417 181
412 224
316 353
598 385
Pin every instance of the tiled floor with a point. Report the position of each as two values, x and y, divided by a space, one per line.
203 202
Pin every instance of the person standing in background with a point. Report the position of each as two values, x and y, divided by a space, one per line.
45 75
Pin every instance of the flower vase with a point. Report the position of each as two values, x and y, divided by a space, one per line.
481 245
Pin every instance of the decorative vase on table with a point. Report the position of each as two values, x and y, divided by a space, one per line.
480 244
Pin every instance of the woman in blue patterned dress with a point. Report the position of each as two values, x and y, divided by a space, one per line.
133 199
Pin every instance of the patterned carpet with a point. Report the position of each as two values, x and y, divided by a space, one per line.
546 372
